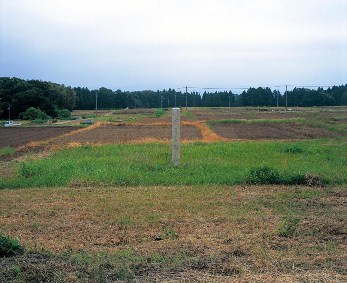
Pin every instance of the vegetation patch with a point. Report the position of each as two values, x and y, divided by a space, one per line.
9 246
288 226
292 148
159 112
105 234
7 151
201 163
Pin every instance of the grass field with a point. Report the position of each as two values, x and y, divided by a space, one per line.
233 211
216 163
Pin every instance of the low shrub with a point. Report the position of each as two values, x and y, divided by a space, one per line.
266 175
159 112
263 175
63 114
9 246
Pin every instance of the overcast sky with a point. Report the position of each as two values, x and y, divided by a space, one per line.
156 44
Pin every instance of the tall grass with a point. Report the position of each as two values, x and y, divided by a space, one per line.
218 163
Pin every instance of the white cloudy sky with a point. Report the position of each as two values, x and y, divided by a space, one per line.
155 44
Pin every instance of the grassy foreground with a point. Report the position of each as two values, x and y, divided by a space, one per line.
181 233
201 163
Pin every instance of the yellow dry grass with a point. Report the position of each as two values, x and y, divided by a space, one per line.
207 134
237 226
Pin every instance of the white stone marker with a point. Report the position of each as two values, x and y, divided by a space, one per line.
176 136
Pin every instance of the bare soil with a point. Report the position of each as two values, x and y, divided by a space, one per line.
16 137
270 131
242 113
123 133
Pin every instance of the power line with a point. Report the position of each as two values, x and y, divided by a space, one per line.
273 86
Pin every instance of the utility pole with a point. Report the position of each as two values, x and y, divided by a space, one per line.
277 97
9 112
229 100
161 101
175 98
186 97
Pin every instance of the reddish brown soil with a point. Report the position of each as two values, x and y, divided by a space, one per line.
237 113
16 137
269 131
122 133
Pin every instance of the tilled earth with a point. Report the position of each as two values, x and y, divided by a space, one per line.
122 133
16 137
270 131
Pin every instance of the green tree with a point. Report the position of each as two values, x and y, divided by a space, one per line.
33 113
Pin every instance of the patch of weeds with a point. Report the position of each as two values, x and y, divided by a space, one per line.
159 112
38 121
189 115
124 221
330 247
288 226
7 151
123 273
9 246
263 175
292 148
26 171
170 234
313 180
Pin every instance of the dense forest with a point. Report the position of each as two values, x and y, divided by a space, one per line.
19 95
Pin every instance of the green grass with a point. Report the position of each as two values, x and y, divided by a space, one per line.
218 163
159 112
189 115
7 151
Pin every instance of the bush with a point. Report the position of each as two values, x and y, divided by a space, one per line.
159 112
63 114
33 113
9 246
266 175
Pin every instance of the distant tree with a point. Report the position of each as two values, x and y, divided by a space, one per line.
63 114
33 113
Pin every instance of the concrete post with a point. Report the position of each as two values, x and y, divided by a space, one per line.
175 136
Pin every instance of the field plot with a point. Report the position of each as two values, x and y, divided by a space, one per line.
15 137
242 113
123 133
259 196
270 131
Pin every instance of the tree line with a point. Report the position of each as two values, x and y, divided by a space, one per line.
19 95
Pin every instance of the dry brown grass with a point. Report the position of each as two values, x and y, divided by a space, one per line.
233 231
207 134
